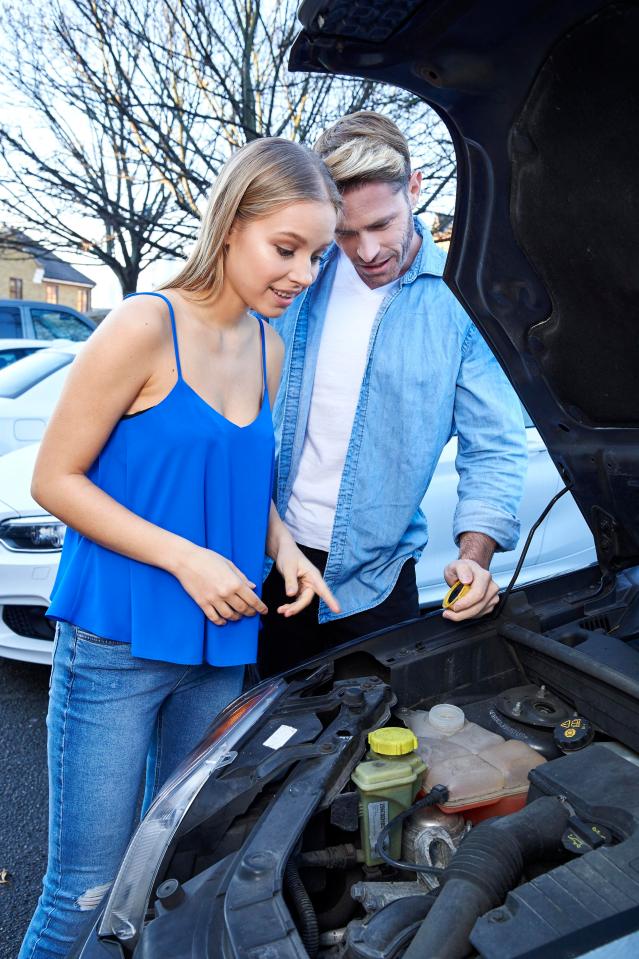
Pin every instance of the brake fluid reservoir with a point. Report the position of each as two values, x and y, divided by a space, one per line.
387 781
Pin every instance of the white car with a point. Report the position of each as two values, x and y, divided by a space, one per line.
31 540
29 389
30 544
15 349
563 542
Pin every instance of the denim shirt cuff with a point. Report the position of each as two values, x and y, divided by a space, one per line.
477 516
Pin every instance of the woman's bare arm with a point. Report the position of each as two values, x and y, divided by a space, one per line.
111 370
114 367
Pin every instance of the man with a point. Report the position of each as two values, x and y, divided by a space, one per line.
382 367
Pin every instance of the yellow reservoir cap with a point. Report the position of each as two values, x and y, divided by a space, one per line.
392 741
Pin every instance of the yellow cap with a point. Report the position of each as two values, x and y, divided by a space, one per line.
392 741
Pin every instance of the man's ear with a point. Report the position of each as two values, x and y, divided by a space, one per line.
414 188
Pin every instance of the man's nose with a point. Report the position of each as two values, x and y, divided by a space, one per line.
367 248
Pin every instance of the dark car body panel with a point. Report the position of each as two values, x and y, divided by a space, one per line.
542 104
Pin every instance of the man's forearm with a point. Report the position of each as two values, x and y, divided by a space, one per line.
478 547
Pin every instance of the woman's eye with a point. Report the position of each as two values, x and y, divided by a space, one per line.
283 252
316 259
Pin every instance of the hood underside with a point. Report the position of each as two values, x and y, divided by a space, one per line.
542 101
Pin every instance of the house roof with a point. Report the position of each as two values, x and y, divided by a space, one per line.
54 268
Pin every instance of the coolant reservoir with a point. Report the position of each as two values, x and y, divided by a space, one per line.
486 775
388 782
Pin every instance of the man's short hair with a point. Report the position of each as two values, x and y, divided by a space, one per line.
365 147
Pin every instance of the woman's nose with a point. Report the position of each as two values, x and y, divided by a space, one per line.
302 272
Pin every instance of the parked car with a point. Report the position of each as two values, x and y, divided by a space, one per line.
563 542
29 389
28 393
260 845
43 321
13 349
30 545
28 563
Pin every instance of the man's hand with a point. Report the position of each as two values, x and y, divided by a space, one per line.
476 551
302 580
481 598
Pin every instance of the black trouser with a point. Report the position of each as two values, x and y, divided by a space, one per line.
285 642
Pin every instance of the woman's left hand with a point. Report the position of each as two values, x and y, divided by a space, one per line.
302 580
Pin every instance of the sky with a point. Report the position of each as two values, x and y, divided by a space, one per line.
107 292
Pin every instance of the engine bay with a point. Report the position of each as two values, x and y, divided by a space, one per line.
499 819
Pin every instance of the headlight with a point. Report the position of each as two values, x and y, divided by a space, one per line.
42 534
126 906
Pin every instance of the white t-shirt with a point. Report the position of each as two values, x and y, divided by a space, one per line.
341 363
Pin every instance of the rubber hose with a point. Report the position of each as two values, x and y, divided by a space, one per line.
309 931
488 864
333 857
385 934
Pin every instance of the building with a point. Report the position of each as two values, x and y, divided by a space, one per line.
442 229
29 272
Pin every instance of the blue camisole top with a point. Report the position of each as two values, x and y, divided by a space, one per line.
185 467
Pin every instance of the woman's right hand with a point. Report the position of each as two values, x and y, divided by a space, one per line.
220 589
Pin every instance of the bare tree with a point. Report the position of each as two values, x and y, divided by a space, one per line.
70 152
138 104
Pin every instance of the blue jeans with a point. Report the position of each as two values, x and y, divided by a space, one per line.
110 716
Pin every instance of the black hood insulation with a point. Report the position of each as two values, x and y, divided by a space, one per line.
542 103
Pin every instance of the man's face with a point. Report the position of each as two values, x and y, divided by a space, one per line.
375 230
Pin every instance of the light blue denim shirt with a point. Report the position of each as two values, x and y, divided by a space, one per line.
428 374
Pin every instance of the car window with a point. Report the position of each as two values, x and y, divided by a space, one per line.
9 356
24 374
10 322
59 325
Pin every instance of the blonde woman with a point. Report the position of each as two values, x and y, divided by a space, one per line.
159 457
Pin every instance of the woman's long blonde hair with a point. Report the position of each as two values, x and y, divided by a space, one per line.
261 177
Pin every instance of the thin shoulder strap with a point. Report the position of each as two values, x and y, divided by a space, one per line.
264 379
161 296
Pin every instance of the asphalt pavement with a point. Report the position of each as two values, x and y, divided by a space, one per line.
23 797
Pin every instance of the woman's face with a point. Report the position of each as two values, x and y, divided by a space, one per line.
271 260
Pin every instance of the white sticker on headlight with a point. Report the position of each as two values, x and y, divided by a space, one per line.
280 737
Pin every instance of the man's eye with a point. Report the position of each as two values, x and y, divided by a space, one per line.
283 252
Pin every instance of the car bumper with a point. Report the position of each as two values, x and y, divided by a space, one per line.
26 581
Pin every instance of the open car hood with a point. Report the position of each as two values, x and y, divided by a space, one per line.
541 100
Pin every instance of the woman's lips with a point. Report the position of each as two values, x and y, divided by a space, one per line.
284 296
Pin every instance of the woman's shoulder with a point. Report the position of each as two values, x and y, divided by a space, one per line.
141 318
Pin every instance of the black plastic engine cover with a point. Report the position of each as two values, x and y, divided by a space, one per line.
593 898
